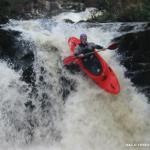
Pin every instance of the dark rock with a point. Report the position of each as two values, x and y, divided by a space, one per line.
77 6
18 53
147 26
135 51
73 68
68 21
33 9
7 43
67 86
91 3
30 106
28 75
126 28
37 8
3 19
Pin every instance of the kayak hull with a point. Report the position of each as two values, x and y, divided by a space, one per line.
106 80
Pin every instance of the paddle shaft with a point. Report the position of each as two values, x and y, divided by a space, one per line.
91 53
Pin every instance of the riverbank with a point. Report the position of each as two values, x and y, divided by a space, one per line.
112 11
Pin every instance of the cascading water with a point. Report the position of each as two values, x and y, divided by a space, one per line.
89 118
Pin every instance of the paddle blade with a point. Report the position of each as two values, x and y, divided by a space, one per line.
112 46
69 60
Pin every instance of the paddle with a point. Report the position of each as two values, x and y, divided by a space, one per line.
72 58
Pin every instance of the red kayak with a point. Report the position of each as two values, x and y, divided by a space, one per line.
105 78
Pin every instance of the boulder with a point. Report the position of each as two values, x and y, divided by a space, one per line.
3 19
18 53
135 56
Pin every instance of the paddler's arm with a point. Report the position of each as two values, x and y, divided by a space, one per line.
78 52
96 46
99 47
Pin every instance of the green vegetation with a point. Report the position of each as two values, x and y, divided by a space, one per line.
20 8
126 10
13 7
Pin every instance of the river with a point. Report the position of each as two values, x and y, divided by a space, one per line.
90 118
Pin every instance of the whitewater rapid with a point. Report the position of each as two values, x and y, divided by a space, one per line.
90 118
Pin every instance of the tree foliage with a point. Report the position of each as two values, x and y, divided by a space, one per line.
128 10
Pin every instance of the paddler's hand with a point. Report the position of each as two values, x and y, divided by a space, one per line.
81 55
103 49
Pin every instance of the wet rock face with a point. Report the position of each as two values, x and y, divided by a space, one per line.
33 9
18 53
77 6
91 3
36 8
135 56
3 19
7 46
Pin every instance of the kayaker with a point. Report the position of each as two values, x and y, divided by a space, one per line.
85 47
90 61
